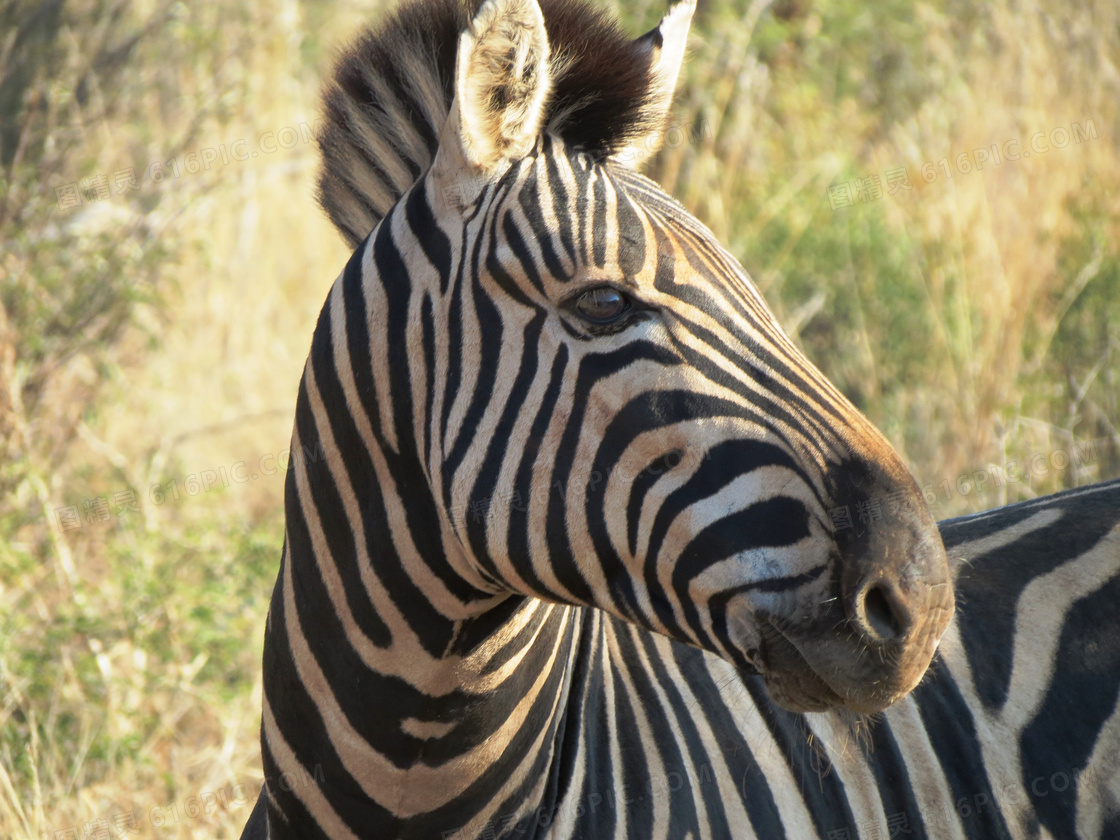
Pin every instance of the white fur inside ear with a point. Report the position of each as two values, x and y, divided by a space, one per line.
502 82
674 35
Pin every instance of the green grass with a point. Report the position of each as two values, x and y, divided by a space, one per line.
122 672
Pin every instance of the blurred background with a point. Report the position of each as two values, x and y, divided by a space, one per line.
927 193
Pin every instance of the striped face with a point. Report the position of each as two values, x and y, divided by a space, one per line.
618 421
608 414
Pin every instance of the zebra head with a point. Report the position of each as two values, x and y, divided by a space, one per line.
600 408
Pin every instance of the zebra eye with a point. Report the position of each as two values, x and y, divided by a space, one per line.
602 305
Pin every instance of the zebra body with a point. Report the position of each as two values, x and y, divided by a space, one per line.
1014 733
577 487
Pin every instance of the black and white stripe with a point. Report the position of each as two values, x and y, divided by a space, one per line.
573 534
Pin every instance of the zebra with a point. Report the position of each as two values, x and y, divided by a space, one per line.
576 529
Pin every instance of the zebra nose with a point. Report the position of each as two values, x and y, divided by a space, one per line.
879 611
892 565
891 582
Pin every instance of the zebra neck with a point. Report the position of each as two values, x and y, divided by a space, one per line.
408 687
402 740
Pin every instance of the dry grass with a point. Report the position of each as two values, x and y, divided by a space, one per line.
129 649
940 309
959 315
990 241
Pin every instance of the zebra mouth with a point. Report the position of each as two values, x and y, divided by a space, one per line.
790 679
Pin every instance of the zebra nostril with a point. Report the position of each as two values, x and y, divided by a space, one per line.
883 615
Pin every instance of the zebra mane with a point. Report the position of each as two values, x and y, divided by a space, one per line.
391 91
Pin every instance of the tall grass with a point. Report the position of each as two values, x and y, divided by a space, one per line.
152 341
973 315
148 338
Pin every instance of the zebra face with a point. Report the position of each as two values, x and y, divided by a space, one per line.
617 420
657 447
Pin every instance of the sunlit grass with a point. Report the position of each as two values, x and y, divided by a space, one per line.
130 647
948 309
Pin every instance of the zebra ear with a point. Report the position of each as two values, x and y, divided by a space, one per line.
665 44
501 85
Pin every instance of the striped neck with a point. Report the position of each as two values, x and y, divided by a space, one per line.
393 671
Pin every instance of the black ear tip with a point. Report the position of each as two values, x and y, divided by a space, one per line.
654 37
